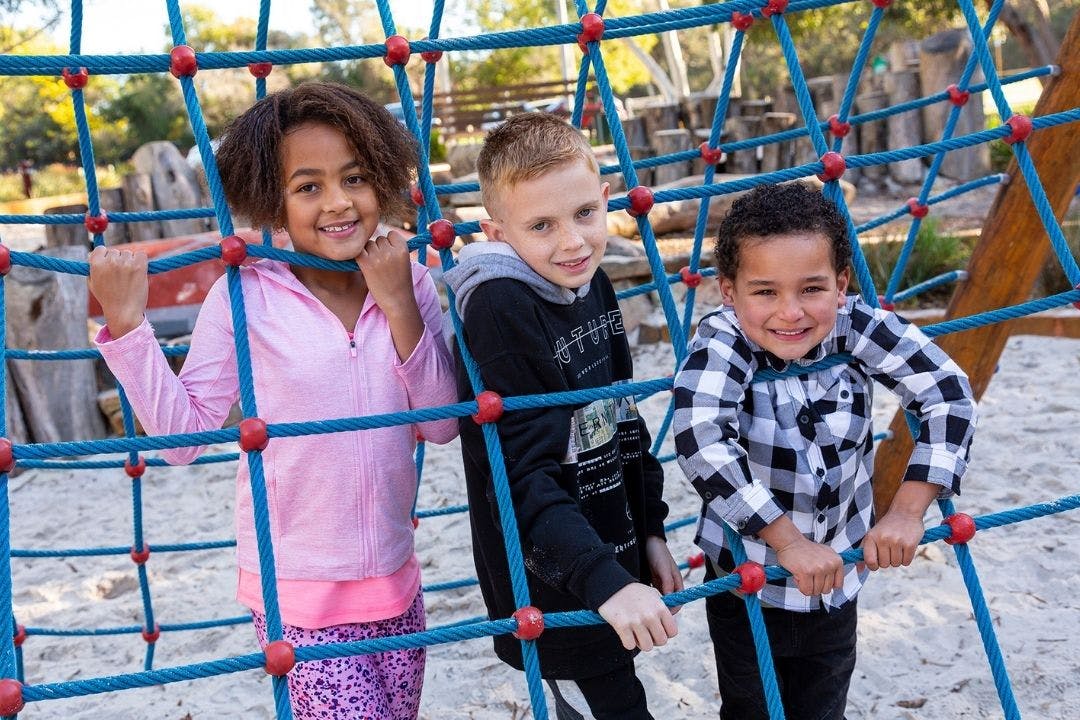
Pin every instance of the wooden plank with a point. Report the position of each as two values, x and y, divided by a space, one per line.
1007 260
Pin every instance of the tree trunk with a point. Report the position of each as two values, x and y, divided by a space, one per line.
47 311
1035 37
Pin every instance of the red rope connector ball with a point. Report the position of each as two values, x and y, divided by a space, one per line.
962 526
1021 128
690 279
711 155
489 407
233 250
696 561
136 470
742 21
261 69
882 3
416 194
834 166
837 128
7 456
253 434
751 577
182 61
151 637
774 7
917 209
11 699
530 623
957 96
885 304
139 557
592 28
431 56
75 80
442 234
641 201
397 51
415 522
96 224
280 658
20 635
5 260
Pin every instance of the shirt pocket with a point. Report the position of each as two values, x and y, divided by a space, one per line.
844 405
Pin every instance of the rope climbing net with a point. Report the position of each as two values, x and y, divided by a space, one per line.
827 138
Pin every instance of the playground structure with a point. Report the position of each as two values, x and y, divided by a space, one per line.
1029 207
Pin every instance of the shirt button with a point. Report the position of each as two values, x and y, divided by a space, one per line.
804 418
820 472
843 394
821 517
742 524
708 495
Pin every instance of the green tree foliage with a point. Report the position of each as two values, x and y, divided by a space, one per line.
356 22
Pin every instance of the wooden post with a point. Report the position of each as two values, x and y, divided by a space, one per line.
1006 262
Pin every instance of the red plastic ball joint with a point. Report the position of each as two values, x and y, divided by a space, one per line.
415 522
136 470
96 224
917 209
962 526
431 56
260 69
882 3
1021 128
774 7
417 195
641 201
834 165
710 155
530 623
397 51
5 260
751 577
233 250
139 557
280 658
742 21
20 635
182 61
837 128
75 80
442 234
690 279
592 28
489 407
7 456
11 699
885 304
957 96
696 561
253 434
152 637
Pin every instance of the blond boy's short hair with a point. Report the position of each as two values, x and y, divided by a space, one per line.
525 147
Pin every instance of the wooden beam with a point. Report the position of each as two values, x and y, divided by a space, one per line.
1006 262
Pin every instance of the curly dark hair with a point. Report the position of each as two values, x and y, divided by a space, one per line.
780 209
250 161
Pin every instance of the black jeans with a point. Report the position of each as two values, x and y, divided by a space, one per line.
813 652
616 695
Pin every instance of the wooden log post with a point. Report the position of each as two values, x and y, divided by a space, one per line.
65 235
47 311
139 197
905 129
173 182
941 61
776 155
667 142
1007 260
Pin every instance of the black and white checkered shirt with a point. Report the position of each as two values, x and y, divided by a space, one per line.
802 445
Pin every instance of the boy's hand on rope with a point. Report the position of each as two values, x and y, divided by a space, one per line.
892 542
666 576
639 616
816 568
119 281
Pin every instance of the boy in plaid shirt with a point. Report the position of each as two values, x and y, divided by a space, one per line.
787 462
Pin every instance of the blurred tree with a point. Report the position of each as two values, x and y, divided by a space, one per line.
356 22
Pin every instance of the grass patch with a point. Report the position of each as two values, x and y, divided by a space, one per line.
56 179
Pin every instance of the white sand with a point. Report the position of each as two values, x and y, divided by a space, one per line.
920 653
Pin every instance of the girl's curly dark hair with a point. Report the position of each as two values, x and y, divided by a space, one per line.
780 210
249 156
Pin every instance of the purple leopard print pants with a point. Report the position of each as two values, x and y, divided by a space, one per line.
380 686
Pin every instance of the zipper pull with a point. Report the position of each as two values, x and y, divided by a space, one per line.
352 347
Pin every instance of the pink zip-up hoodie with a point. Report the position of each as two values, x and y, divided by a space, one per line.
340 504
